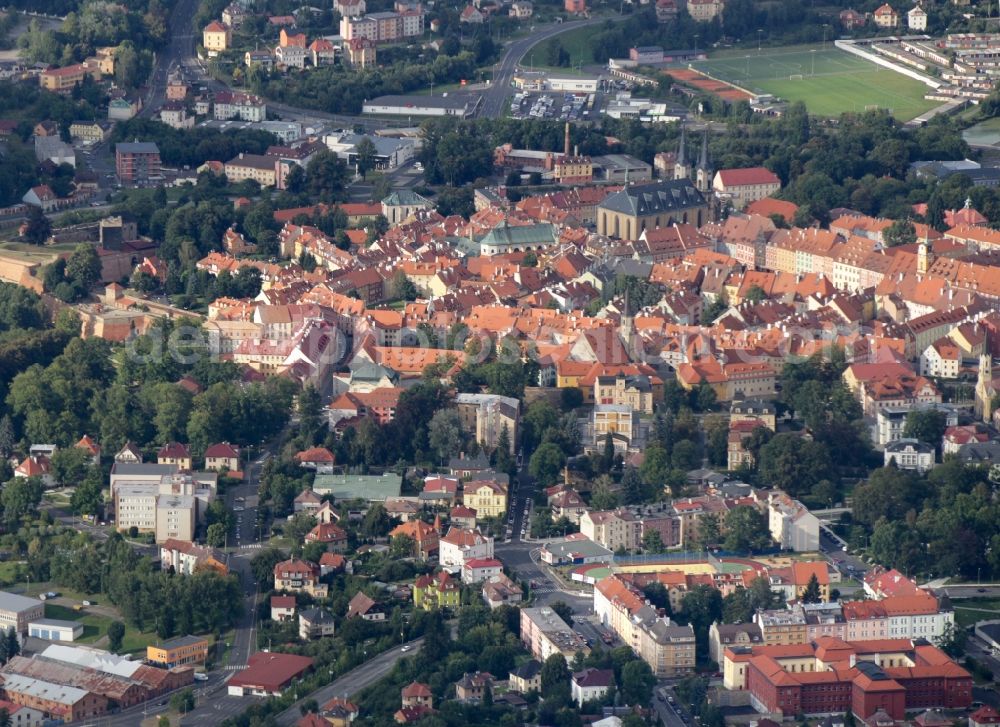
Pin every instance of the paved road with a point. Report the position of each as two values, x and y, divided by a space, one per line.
495 97
667 713
180 48
353 681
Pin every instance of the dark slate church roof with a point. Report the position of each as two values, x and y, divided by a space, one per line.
651 199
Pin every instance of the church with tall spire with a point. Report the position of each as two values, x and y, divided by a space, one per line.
701 174
682 169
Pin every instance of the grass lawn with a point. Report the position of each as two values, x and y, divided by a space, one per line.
31 253
985 133
8 571
576 42
829 81
970 610
94 625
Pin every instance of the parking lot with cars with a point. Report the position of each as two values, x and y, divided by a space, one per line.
553 105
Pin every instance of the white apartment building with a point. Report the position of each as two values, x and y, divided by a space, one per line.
614 529
169 508
460 545
791 524
544 633
243 106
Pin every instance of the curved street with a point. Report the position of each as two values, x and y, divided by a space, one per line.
496 96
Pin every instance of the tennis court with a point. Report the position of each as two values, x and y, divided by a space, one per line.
828 80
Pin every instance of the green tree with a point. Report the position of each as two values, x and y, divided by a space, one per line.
546 464
326 176
13 645
376 523
215 536
570 398
555 677
6 436
310 408
37 227
652 542
705 397
746 530
952 640
444 433
607 460
791 463
637 683
657 594
684 455
927 425
365 152
564 611
182 701
116 632
900 232
402 287
812 593
631 487
20 498
655 466
402 546
736 607
702 605
602 497
709 530
84 267
69 464
263 564
88 496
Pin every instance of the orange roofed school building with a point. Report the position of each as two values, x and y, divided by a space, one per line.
830 676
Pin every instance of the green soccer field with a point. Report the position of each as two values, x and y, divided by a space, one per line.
829 81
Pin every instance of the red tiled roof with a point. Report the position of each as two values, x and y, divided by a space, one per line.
315 454
416 689
748 176
271 670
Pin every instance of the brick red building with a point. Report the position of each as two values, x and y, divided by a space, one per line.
137 162
832 676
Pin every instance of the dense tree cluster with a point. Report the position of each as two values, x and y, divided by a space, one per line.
136 31
946 522
337 90
147 598
131 394
192 147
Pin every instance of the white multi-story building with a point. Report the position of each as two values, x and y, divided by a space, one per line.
910 454
359 27
942 359
243 106
614 529
486 415
169 507
460 545
791 524
544 633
